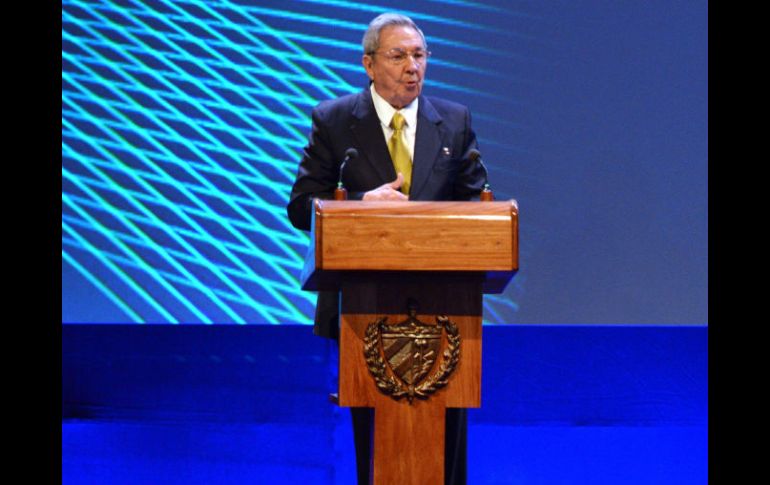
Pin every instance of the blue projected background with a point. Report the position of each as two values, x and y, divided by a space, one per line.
183 123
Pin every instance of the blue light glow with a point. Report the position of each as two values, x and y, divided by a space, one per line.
182 124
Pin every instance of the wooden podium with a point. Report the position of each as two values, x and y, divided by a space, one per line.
411 276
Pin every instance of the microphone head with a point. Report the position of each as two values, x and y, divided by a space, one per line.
351 153
473 154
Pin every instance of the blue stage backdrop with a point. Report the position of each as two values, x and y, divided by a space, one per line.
183 123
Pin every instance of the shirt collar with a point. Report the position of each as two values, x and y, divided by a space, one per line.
385 110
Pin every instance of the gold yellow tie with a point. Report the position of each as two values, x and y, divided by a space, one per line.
398 152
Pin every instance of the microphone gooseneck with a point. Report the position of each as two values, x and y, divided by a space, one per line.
475 156
350 154
486 193
340 193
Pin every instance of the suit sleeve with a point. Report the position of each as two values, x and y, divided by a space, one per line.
470 178
316 176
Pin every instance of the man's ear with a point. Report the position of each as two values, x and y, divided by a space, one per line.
367 62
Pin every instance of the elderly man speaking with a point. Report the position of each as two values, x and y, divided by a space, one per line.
409 147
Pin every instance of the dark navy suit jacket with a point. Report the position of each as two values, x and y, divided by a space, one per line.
441 169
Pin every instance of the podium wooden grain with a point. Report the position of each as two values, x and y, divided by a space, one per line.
384 256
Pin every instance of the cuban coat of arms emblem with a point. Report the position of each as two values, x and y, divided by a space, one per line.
401 356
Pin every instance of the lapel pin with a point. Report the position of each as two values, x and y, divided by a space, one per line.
446 150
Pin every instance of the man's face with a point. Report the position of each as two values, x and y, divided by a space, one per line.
398 84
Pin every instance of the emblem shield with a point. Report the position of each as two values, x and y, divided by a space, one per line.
411 351
400 357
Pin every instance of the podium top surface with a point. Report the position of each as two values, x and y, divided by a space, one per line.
358 236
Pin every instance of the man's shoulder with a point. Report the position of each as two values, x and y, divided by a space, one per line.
343 103
443 105
451 112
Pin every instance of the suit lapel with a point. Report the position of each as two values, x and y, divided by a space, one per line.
427 146
368 133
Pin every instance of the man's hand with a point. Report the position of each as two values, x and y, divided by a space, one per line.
387 191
